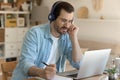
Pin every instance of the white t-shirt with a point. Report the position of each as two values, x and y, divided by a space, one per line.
54 55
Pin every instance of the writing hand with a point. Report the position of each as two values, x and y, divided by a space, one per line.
50 71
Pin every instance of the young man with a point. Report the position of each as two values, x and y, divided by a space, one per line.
51 43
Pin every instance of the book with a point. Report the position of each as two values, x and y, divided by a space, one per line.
10 20
57 77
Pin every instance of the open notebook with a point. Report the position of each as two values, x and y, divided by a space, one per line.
57 77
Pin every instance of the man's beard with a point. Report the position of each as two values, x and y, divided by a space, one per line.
58 30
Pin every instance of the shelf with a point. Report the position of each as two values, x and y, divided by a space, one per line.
14 12
8 18
12 31
99 20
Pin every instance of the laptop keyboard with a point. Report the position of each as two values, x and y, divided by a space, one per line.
72 75
68 73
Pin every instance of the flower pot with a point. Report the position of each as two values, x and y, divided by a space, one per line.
112 77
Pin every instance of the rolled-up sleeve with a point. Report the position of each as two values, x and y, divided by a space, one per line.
69 55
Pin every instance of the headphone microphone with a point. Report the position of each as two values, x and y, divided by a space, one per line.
51 16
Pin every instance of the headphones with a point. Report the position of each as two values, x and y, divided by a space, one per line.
51 16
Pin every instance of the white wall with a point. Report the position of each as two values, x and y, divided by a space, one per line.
107 30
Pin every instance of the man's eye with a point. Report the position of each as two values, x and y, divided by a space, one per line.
63 20
70 21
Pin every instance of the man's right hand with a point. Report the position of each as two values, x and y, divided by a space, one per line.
49 71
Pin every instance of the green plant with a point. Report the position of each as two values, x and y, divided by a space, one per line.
111 70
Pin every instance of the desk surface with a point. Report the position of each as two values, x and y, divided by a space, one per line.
90 78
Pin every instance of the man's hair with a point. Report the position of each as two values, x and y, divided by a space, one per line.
57 7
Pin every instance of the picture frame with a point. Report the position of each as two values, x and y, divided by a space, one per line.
21 22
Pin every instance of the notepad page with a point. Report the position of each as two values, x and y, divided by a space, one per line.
57 77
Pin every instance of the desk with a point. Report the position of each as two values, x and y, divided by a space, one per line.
90 78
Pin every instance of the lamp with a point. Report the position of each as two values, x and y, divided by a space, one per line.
39 14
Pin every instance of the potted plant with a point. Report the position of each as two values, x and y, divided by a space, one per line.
112 73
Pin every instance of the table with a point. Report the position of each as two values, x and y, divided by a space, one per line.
90 78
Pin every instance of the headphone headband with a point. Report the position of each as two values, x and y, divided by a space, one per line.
51 16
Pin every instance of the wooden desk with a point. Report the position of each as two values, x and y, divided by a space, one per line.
90 78
31 79
93 78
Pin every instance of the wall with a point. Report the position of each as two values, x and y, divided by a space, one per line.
106 30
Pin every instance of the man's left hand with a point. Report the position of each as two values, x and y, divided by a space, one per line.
73 30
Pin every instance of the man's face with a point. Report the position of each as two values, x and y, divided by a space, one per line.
63 22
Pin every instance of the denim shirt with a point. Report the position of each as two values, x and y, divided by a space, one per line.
36 48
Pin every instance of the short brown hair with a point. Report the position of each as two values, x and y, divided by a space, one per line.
57 7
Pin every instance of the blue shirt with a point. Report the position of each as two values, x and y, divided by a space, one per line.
36 48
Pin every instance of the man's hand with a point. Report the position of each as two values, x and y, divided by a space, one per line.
73 30
76 52
50 71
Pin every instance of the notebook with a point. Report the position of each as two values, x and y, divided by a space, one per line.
56 77
93 63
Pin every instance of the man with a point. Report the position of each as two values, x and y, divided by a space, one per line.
51 43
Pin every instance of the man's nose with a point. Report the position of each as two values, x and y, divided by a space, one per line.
67 24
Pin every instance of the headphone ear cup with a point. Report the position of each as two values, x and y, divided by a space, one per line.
51 17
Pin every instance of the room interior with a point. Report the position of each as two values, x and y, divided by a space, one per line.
98 20
99 23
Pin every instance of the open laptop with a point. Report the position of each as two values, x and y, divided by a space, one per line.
93 63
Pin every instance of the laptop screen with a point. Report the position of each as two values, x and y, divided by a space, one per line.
93 63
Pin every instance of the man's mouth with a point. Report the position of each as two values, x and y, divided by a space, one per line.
64 29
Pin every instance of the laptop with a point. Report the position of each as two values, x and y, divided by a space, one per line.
93 63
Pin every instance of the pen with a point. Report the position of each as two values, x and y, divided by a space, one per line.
45 63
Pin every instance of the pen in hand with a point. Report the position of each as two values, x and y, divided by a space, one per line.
45 63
